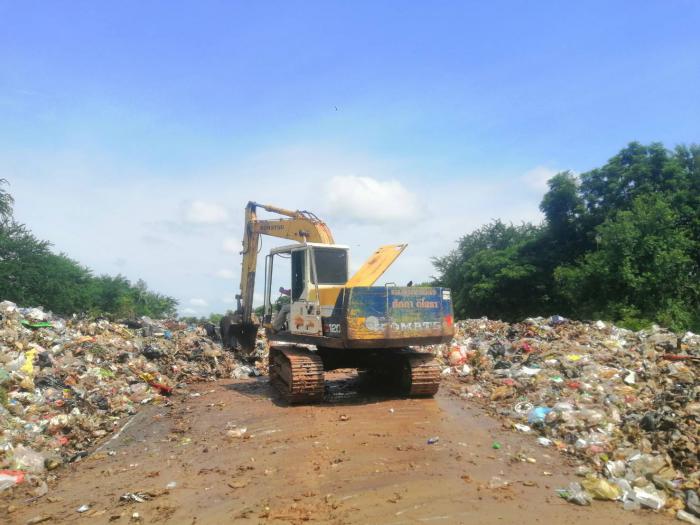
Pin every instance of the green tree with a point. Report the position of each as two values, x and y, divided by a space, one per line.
563 208
486 273
642 271
22 258
31 274
280 302
118 297
6 202
621 242
634 171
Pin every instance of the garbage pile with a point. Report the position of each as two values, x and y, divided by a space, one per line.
67 383
625 405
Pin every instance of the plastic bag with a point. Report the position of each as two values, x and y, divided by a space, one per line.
538 414
650 497
616 469
575 494
27 459
600 488
10 478
687 517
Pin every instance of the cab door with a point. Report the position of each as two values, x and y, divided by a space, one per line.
305 315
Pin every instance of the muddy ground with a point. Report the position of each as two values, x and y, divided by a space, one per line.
360 457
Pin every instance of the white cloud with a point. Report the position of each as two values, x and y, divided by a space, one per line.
225 274
538 176
231 245
379 205
204 212
365 199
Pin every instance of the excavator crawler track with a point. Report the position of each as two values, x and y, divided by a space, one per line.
420 375
297 373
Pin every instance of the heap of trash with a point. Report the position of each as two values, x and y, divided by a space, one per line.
624 405
66 384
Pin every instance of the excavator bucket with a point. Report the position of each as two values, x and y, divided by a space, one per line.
376 265
237 336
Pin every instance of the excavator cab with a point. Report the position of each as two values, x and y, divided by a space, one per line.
317 272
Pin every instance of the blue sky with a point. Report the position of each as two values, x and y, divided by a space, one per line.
133 133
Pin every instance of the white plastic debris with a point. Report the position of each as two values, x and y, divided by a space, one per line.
464 371
650 497
10 479
616 469
687 517
237 432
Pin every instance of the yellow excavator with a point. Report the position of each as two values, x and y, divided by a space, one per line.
350 322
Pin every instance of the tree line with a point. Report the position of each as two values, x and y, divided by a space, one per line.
620 242
31 274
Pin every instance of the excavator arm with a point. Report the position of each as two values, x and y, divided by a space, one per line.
239 330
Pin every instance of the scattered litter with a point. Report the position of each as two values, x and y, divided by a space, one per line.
138 497
687 517
498 483
10 478
600 488
38 519
538 415
237 432
692 501
575 494
68 384
650 497
623 405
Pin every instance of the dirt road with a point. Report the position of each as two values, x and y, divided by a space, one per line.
358 458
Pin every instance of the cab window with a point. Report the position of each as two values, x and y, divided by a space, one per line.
331 265
298 273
